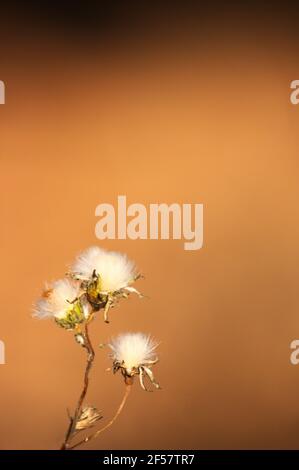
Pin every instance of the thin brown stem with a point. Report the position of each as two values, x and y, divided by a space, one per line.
73 420
119 410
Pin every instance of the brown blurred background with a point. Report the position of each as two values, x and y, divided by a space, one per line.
186 106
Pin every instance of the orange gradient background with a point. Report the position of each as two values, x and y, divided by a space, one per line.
181 119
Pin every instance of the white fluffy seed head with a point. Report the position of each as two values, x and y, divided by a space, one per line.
133 349
56 299
116 271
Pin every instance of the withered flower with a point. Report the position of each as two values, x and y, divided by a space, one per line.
88 418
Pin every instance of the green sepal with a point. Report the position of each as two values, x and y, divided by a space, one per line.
73 317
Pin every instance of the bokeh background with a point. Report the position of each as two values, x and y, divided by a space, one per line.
186 105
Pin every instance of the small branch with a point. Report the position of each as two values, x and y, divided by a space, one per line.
119 410
73 420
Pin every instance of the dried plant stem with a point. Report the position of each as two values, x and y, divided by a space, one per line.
119 410
73 420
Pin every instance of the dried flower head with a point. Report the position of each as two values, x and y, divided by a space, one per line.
88 418
106 276
134 354
61 301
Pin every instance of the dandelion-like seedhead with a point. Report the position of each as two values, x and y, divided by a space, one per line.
114 269
61 301
133 349
106 276
134 354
